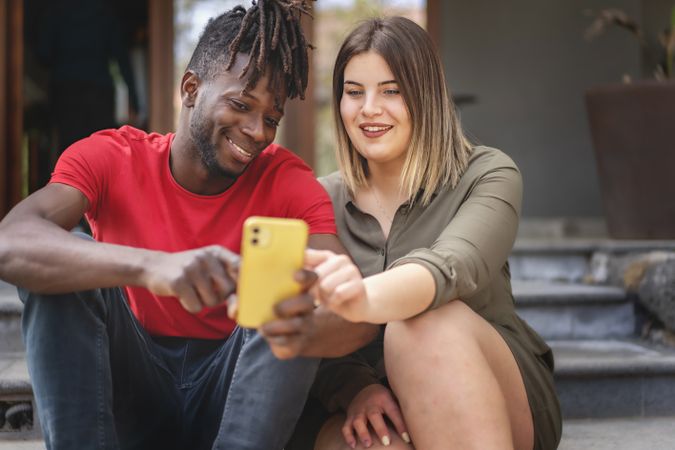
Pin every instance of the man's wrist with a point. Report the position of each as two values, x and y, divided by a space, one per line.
140 266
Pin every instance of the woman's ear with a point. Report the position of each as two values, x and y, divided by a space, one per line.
189 86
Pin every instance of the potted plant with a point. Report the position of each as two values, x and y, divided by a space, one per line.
633 130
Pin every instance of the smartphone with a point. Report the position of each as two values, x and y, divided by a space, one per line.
272 250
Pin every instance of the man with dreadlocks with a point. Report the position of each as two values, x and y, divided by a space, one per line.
157 363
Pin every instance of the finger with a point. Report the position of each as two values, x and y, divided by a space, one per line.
315 257
285 327
306 278
297 306
361 427
232 306
229 259
381 430
284 347
332 264
189 300
223 283
393 412
204 287
341 282
348 434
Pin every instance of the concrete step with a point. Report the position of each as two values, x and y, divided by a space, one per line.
574 311
10 319
23 444
630 433
569 260
625 433
614 378
16 388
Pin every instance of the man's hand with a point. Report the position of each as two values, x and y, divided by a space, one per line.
370 406
202 277
289 334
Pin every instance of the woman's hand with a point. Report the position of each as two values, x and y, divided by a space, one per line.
340 286
369 407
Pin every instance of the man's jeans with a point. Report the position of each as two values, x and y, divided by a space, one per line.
101 382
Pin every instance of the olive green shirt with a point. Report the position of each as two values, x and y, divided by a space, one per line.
463 237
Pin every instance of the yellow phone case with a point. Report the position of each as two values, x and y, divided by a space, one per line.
272 250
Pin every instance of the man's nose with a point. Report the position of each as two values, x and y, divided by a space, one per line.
255 129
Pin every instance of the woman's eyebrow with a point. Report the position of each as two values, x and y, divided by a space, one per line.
379 84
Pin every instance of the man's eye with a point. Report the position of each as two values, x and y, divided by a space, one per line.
273 123
239 105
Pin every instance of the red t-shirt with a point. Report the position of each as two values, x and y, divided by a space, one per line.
135 201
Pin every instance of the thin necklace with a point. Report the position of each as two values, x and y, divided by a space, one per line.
379 205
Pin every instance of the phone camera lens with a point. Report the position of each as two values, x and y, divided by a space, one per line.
256 230
254 241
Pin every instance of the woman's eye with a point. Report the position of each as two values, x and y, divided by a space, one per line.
392 92
354 93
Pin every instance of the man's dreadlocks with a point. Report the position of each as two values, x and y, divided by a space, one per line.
270 33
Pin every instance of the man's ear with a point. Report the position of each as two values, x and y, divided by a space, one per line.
189 86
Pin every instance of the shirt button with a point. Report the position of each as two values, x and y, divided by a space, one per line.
382 251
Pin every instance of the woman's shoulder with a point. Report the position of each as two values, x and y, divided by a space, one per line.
487 158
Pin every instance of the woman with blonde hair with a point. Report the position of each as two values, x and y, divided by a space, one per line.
429 220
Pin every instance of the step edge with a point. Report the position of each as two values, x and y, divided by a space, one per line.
625 367
15 386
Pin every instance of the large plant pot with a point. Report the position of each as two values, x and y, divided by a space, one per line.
633 129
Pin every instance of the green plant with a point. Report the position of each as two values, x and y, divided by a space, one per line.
660 50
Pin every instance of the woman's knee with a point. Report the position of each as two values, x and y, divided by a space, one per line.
452 322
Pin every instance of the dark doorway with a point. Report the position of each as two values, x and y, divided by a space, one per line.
85 69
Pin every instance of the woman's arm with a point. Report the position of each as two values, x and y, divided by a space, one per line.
463 260
395 294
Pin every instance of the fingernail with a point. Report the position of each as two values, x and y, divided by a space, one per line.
366 444
352 444
386 441
406 437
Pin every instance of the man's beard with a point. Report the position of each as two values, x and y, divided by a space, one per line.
201 131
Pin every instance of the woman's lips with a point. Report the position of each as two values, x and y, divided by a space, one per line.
375 130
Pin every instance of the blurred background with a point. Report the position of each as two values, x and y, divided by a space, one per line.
518 71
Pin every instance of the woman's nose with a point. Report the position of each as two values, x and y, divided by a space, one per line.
371 106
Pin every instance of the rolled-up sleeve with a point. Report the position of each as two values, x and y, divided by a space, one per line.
475 244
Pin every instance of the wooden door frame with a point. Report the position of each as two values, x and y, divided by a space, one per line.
161 62
300 115
11 103
434 22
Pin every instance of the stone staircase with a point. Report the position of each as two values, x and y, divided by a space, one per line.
23 430
617 391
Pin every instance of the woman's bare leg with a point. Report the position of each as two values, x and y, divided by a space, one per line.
457 382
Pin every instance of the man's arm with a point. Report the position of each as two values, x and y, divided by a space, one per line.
37 253
321 334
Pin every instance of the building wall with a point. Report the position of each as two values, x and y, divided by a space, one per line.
528 65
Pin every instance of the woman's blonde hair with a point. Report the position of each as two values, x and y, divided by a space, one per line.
438 152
